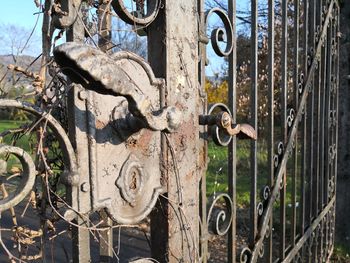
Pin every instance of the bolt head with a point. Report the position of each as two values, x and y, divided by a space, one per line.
84 187
225 120
82 95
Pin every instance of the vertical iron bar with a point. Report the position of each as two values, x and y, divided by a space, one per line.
336 94
254 120
271 83
322 78
203 186
333 128
284 131
104 42
328 42
232 147
304 126
310 109
296 102
157 57
312 130
77 118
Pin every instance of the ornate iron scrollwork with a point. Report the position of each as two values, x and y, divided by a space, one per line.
137 17
69 177
219 220
27 177
222 128
221 34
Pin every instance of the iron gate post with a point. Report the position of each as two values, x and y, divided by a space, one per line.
173 54
80 200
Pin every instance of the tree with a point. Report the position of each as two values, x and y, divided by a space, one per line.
16 40
125 38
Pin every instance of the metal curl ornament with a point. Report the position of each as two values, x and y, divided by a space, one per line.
219 220
260 209
245 255
220 34
220 137
280 148
290 117
137 17
61 135
265 193
27 180
222 128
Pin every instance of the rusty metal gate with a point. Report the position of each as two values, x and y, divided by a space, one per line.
135 133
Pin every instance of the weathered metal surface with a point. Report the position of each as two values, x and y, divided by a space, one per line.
27 181
132 181
138 17
223 123
65 13
77 117
139 130
123 74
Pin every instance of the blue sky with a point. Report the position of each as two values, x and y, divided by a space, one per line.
21 14
18 12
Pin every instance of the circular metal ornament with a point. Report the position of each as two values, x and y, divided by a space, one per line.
260 209
131 180
245 255
137 193
220 137
132 18
218 219
265 193
221 34
27 181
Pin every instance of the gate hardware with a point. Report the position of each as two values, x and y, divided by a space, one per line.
96 71
223 127
127 183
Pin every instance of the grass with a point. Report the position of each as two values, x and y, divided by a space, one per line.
7 124
25 142
341 253
218 168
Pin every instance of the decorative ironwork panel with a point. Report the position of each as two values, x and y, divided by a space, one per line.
127 138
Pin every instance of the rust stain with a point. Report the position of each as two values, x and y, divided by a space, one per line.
142 144
100 124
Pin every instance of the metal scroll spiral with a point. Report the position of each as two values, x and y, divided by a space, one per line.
70 176
219 220
220 137
137 17
221 34
27 180
245 255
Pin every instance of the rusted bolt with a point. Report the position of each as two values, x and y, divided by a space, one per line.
82 95
84 187
225 119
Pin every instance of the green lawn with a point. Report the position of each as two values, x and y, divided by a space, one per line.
217 174
25 141
6 124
